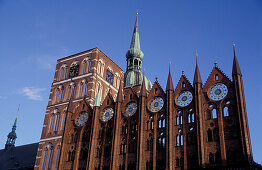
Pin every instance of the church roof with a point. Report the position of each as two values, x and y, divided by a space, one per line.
19 157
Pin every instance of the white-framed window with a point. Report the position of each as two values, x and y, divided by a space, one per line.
50 156
51 123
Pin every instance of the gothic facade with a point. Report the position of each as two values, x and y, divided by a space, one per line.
100 118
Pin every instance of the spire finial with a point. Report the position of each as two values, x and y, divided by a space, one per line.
215 64
196 53
137 12
234 47
183 72
236 69
156 78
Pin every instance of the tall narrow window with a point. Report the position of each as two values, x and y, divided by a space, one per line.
80 90
50 157
189 118
44 160
225 110
86 88
89 66
181 140
98 67
184 85
164 123
74 91
181 120
214 114
209 134
61 94
56 122
57 95
57 156
177 140
109 77
177 120
66 72
159 123
63 121
68 92
193 117
216 77
84 67
51 123
61 73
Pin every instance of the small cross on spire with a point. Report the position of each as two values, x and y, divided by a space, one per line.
215 64
183 72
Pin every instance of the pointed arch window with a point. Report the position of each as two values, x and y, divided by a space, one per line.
63 121
86 88
84 67
181 120
80 90
214 114
177 140
226 112
57 156
57 121
57 95
61 94
181 140
68 92
177 120
216 77
61 73
45 157
89 65
74 92
50 157
66 72
51 123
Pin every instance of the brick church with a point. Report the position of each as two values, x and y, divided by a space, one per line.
102 118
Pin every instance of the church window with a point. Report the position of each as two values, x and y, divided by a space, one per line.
163 123
181 120
177 140
181 140
72 155
61 73
225 110
51 123
80 90
74 70
192 117
184 85
136 62
89 66
216 77
215 135
66 72
191 128
131 96
109 77
177 120
209 135
179 130
228 102
84 67
63 121
50 157
56 122
189 118
86 88
68 92
156 90
45 157
61 95
159 123
74 92
57 95
214 114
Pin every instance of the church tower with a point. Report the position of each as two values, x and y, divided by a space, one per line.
11 137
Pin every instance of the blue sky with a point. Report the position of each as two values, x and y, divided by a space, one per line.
34 34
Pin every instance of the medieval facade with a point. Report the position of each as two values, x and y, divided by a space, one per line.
100 118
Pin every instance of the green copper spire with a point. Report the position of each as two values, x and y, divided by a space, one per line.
11 137
134 58
134 50
98 99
